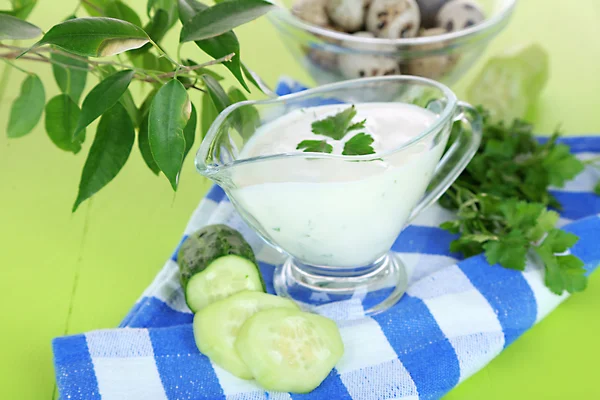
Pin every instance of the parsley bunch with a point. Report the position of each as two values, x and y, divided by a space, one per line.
337 127
501 201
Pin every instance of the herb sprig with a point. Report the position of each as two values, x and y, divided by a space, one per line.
501 201
337 127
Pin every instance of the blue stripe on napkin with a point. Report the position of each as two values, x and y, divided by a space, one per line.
74 368
507 292
577 205
154 313
417 339
426 240
179 361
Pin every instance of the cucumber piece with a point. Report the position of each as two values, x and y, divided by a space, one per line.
288 350
216 327
220 279
200 252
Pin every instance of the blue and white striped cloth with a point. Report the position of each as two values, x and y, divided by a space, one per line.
455 318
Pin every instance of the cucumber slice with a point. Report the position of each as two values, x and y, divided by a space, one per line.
220 279
289 350
201 250
216 327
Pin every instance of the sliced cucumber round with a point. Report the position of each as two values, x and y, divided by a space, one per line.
216 327
289 350
220 279
231 262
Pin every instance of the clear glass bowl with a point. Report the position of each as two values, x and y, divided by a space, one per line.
445 58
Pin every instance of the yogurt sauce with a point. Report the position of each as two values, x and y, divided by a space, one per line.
333 211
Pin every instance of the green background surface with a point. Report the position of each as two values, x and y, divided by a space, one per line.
63 273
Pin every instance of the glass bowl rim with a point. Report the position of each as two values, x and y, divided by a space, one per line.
443 117
283 14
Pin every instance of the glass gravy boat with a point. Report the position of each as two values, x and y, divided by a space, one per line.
336 217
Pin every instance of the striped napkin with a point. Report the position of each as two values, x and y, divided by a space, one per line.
455 318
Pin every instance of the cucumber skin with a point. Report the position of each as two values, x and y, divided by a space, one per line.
206 245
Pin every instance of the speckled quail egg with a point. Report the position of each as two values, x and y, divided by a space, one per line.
394 19
457 15
429 10
433 66
366 65
311 11
347 14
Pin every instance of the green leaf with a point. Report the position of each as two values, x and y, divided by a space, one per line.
315 146
521 214
156 28
559 241
218 46
509 251
169 6
335 126
223 17
169 114
22 8
217 94
71 80
562 272
95 37
250 77
119 10
61 119
102 97
143 141
545 222
359 145
95 8
208 115
189 132
144 146
109 152
127 101
247 117
27 109
597 189
561 165
15 28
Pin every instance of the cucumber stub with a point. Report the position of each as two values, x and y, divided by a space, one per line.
216 327
216 262
289 350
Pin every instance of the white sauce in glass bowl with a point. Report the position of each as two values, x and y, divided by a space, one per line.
335 212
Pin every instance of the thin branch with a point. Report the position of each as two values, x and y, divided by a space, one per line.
144 75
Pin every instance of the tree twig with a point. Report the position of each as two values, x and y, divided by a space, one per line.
143 75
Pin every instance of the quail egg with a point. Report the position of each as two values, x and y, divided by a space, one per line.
457 15
433 66
365 65
311 11
347 14
393 19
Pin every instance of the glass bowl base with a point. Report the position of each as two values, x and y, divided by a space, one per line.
343 293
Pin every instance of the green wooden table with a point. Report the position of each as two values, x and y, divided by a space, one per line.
62 273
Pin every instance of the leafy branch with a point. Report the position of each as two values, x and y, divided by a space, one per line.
116 46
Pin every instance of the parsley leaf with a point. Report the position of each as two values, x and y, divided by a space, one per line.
359 145
501 202
356 126
508 251
315 146
597 189
335 126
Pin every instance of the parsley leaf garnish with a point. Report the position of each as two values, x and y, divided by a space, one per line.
335 126
358 145
315 146
597 189
501 202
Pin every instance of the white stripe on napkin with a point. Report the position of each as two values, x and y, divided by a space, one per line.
124 365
